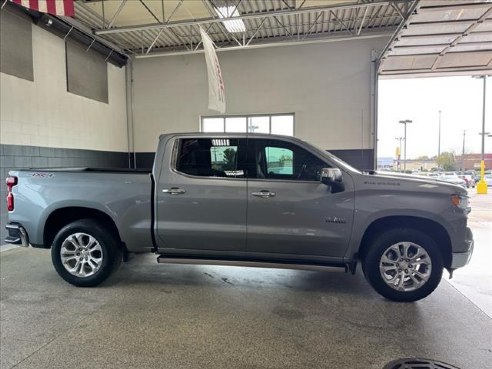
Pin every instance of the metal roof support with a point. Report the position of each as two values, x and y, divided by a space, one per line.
356 17
214 15
341 22
398 10
403 23
254 34
285 28
318 39
103 16
313 25
162 29
225 17
314 9
362 22
118 11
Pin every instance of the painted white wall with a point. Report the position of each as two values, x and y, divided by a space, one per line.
43 113
326 85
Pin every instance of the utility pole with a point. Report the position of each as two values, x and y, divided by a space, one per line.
439 138
463 153
399 153
405 122
482 185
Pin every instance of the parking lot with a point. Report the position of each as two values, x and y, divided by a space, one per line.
170 316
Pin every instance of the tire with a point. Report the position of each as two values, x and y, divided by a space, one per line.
388 267
89 246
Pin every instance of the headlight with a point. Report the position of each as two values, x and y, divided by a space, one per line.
461 201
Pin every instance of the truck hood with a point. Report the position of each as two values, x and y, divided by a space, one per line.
412 182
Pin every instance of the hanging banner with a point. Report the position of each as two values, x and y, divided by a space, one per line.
53 7
216 93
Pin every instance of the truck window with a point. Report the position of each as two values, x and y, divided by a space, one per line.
207 157
275 159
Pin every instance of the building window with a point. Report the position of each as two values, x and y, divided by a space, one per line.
277 124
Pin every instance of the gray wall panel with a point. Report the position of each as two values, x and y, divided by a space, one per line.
87 72
16 45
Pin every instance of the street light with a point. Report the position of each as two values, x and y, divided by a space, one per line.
398 166
439 139
405 122
482 185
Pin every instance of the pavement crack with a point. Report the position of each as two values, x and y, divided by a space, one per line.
32 353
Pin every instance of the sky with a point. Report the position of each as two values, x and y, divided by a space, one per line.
420 99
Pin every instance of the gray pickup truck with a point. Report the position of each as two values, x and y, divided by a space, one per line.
246 200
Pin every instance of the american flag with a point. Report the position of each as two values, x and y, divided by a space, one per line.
54 7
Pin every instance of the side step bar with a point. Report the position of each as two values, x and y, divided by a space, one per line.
163 259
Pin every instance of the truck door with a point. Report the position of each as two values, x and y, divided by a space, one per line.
289 210
201 196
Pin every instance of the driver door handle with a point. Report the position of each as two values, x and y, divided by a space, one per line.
264 194
174 191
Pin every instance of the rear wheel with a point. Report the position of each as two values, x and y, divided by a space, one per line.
403 264
84 253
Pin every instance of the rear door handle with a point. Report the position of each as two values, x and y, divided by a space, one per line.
174 191
263 193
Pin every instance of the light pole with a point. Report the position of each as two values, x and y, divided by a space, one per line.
482 185
463 152
405 122
398 156
439 139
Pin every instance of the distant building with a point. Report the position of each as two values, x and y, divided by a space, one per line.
472 161
386 163
423 165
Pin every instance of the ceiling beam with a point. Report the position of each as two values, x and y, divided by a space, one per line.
196 22
276 42
404 23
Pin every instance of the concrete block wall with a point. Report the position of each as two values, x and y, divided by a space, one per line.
43 125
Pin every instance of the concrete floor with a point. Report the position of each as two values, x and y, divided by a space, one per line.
169 316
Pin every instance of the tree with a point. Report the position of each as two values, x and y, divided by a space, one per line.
424 157
446 161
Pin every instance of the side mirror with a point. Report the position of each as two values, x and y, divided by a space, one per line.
332 177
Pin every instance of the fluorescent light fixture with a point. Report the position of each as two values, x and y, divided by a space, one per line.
235 25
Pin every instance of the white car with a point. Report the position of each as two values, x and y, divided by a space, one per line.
454 179
488 179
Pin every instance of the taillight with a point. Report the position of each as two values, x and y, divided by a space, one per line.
11 182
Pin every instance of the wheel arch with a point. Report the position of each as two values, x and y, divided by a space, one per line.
66 215
435 230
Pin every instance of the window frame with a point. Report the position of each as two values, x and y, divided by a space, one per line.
176 147
247 116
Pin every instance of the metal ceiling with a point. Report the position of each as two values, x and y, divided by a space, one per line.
442 37
157 27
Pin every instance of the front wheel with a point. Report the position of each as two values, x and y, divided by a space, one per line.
84 253
403 264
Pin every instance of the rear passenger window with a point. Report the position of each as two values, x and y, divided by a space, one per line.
206 157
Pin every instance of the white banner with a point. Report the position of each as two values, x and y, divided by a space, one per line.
216 93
